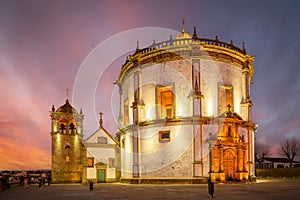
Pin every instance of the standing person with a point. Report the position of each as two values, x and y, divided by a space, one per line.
40 182
26 182
4 182
49 180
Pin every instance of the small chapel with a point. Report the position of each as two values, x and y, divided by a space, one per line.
185 117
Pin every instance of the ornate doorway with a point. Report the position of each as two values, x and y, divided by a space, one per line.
101 172
229 164
101 175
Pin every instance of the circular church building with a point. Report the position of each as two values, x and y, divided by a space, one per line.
185 113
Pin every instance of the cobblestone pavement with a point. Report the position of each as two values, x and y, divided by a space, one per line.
264 189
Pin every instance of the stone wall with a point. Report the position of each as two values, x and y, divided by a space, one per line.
66 169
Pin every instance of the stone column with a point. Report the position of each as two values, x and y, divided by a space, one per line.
135 136
221 159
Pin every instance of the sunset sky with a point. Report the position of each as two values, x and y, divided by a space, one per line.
44 43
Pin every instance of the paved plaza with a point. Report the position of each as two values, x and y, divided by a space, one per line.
264 189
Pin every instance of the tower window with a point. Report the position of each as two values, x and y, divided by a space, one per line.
102 140
72 129
165 102
164 135
67 146
67 158
62 128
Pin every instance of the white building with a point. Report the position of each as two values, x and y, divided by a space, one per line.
100 156
185 112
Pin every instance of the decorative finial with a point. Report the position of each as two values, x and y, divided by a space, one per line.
228 108
183 22
154 44
171 40
53 109
231 44
228 112
217 40
137 50
195 33
243 48
81 111
101 120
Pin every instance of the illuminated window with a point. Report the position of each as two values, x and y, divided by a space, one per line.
68 158
62 126
225 98
165 102
72 128
164 135
126 112
102 140
90 162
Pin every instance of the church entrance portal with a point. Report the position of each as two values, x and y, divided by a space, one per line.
229 164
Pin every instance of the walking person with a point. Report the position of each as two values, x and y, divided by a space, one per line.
26 182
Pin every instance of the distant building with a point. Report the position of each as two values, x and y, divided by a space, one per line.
269 162
186 112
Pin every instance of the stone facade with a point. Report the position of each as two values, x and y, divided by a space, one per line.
185 111
101 157
67 148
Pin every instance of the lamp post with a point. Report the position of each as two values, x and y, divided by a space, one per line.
211 141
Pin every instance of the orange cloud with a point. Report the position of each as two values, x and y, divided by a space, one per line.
19 156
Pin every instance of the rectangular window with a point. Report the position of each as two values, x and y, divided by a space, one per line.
111 162
90 162
126 112
165 102
136 86
164 136
102 140
225 98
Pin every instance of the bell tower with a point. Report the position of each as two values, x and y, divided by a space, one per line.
67 147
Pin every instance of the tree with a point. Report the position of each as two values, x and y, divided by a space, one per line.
261 151
290 149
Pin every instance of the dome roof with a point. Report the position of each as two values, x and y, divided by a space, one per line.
67 108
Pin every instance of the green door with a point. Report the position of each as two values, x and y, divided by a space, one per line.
101 176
